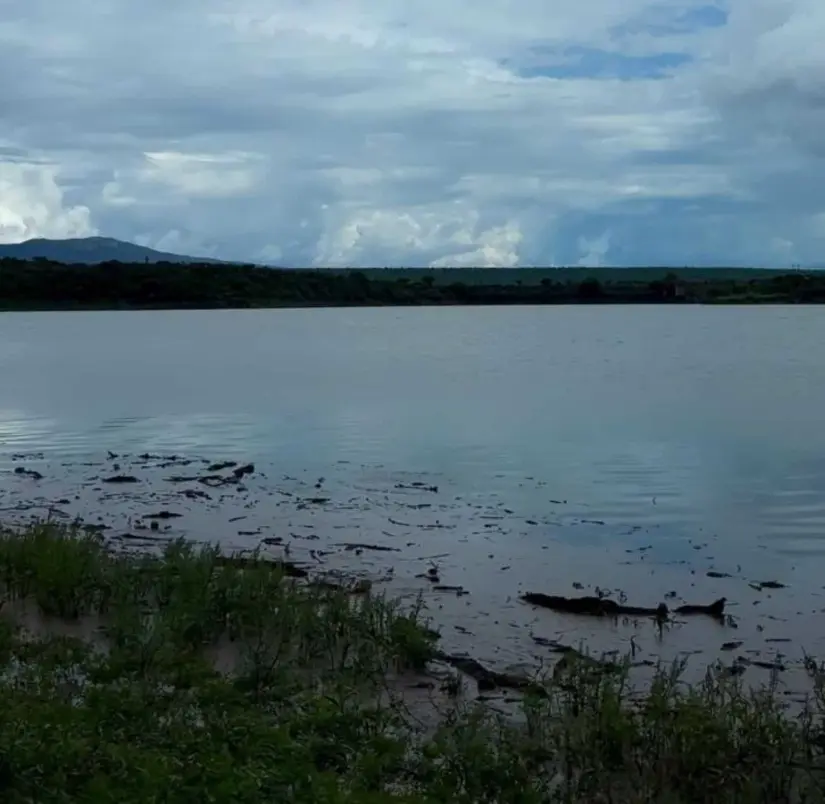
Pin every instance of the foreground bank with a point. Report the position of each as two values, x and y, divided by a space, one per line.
191 676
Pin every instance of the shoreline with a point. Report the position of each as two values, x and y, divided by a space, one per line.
407 305
175 658
470 559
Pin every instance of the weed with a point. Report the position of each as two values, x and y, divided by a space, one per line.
140 711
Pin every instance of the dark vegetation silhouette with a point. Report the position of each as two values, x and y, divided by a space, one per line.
43 284
89 251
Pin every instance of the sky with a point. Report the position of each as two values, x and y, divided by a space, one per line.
501 133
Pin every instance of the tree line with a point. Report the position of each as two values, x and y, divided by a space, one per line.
43 284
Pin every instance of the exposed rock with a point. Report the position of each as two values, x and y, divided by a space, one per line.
760 585
604 607
195 494
715 609
487 679
361 586
95 528
120 479
777 666
144 537
418 485
214 480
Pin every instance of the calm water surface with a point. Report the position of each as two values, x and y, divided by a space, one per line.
696 434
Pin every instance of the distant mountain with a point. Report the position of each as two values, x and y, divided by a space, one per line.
90 250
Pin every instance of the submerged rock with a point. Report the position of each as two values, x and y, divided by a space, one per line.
362 546
219 467
33 474
289 569
162 515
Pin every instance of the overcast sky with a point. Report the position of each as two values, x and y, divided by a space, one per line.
422 132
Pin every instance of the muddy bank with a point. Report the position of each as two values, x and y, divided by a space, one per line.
473 559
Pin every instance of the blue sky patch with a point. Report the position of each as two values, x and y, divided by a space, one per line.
584 62
703 17
668 22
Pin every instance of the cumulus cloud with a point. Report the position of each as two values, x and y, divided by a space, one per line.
439 234
32 205
446 133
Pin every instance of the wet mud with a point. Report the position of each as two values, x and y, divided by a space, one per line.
514 586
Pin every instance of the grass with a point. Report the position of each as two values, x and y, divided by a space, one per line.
112 691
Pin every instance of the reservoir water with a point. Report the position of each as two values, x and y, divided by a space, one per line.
543 449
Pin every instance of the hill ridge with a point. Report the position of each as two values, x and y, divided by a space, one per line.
92 250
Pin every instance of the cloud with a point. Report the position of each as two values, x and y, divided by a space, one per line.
440 235
202 175
32 205
594 251
184 175
311 132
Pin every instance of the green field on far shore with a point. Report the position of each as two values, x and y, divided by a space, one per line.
534 276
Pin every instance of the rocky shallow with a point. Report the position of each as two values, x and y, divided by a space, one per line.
481 565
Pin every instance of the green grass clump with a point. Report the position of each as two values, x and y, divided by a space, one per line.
112 691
